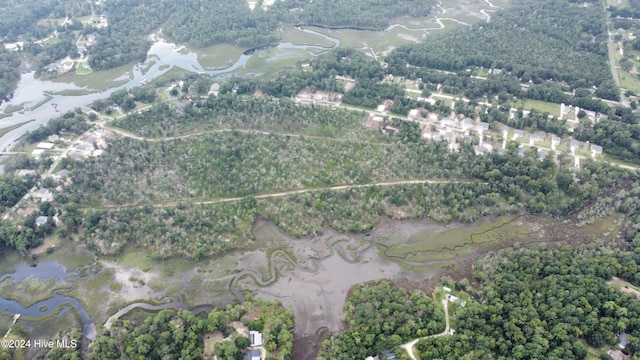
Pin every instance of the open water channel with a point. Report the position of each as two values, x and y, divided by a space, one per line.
162 56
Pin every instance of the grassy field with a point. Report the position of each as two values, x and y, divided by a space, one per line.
298 37
172 74
219 55
13 108
82 70
99 80
3 131
540 106
451 242
618 3
627 81
377 40
270 62
29 291
41 102
73 92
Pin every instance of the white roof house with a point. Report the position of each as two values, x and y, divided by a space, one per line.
534 138
41 220
37 153
596 149
45 145
256 338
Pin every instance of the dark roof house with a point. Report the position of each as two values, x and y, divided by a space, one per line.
253 354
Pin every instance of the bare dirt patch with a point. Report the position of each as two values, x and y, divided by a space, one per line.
624 286
210 341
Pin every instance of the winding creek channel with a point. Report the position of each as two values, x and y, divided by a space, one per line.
31 92
312 276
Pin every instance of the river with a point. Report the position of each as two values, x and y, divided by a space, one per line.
162 55
47 270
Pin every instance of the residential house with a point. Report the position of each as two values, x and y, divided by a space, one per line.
62 174
53 138
45 146
483 126
43 194
623 340
372 358
521 151
388 129
534 138
596 150
41 220
574 145
373 121
214 89
542 155
256 338
388 355
87 110
448 135
414 114
92 139
385 106
467 124
253 354
449 122
505 131
481 150
84 149
590 114
555 141
517 134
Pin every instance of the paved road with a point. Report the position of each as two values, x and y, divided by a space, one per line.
409 346
612 59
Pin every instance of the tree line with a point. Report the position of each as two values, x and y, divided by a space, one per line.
544 302
530 39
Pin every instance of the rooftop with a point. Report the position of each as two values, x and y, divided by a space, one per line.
41 220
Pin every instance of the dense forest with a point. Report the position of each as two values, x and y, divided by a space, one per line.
242 141
349 13
380 317
9 72
21 17
171 334
631 10
531 39
216 21
544 303
73 122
